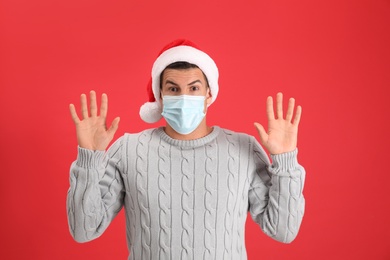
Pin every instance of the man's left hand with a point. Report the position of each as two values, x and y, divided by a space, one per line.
282 133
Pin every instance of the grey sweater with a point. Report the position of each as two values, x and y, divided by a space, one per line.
186 199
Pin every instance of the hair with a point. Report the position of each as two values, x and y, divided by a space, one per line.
181 65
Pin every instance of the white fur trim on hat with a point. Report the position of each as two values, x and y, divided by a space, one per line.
150 112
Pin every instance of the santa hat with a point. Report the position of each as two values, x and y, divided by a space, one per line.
178 50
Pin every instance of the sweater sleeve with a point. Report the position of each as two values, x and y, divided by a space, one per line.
96 192
276 201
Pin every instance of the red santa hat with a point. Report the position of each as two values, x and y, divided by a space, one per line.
178 50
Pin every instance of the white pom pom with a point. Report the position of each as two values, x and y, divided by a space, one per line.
150 112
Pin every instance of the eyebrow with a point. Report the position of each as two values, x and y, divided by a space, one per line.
189 84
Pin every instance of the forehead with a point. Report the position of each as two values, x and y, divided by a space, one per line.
190 74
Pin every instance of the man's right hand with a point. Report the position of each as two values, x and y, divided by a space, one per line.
92 132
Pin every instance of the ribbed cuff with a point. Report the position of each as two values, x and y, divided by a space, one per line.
285 164
89 159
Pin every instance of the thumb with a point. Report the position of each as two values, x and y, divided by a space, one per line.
262 133
114 126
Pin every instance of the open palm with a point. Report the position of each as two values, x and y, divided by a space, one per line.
92 131
282 133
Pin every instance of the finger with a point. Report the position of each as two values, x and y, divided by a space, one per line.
84 108
262 133
270 109
73 114
279 105
104 106
298 115
290 109
92 105
114 126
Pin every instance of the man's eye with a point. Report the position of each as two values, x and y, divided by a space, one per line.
173 89
194 88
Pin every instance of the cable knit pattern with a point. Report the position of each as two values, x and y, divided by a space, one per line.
210 201
187 215
232 181
242 209
164 201
186 199
142 189
130 210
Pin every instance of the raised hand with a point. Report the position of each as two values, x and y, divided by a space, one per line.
92 132
282 133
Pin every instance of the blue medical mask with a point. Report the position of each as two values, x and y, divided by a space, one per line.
183 113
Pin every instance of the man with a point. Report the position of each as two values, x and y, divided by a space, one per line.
186 187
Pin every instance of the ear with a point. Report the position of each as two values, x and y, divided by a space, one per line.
208 96
160 95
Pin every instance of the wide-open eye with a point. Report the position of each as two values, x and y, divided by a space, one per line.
194 88
173 89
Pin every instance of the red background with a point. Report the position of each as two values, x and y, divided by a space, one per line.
332 56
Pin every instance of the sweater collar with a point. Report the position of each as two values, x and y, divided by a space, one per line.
189 144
